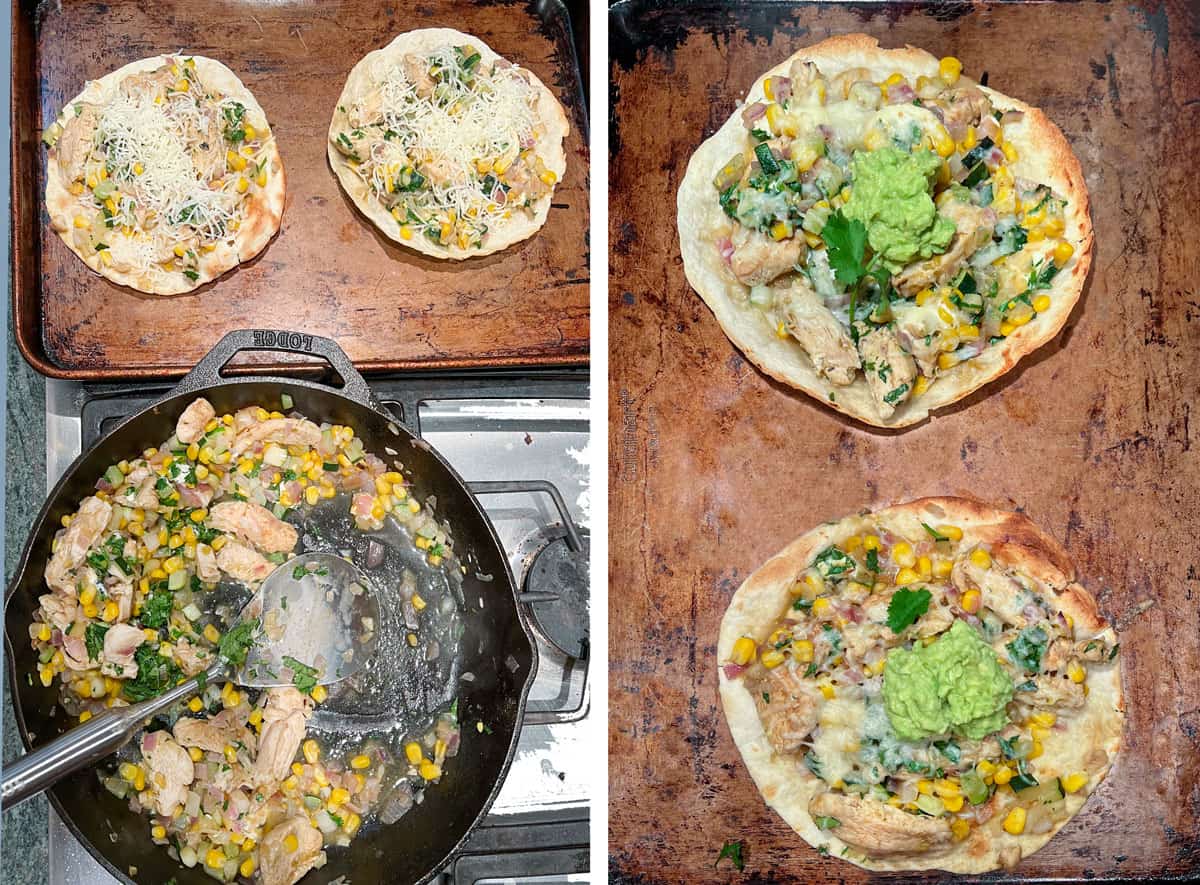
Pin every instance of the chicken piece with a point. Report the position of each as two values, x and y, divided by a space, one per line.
787 707
839 86
208 152
1058 654
279 741
192 658
243 563
171 771
120 642
194 496
76 143
286 431
212 735
280 865
59 610
75 653
1055 693
416 72
999 592
191 424
366 110
823 338
973 229
889 370
879 829
285 700
254 523
206 564
758 259
147 495
961 107
148 84
121 592
75 541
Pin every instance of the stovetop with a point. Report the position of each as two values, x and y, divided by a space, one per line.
526 435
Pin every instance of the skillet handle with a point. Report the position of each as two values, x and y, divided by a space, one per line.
208 371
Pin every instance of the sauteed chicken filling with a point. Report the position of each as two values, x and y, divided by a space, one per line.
930 688
448 145
229 781
880 225
163 173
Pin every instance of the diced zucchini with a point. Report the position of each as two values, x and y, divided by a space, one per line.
177 580
286 401
114 476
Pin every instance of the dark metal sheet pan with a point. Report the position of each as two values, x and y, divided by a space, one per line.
715 467
328 271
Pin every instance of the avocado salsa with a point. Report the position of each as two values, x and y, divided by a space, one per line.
926 673
884 227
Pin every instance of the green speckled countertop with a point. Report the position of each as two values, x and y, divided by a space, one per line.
23 856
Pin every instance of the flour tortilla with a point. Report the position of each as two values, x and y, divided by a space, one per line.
264 209
1044 156
549 147
1015 541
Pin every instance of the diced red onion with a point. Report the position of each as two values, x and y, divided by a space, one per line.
733 671
149 742
753 112
725 247
375 553
988 127
781 88
901 93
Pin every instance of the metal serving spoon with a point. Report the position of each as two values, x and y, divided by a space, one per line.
316 609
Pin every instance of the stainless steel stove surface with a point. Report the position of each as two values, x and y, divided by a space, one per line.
525 438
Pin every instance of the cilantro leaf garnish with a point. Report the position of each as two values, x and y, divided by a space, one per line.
733 851
93 638
304 677
1027 649
846 244
235 645
934 533
824 822
906 606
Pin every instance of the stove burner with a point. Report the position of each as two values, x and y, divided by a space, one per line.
556 591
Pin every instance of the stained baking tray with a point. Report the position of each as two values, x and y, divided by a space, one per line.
715 467
328 271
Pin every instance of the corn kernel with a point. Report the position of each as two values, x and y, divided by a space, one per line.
970 601
1003 774
85 716
339 796
1076 672
959 828
772 658
216 857
953 532
312 751
111 611
828 691
291 843
247 868
195 753
242 185
412 752
430 771
1010 151
1063 252
906 576
360 762
903 555
230 754
212 634
949 69
942 567
820 606
925 787
351 823
1045 719
1073 783
195 705
139 780
1014 822
925 567
981 558
744 651
953 803
802 651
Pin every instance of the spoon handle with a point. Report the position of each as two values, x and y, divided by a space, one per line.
87 743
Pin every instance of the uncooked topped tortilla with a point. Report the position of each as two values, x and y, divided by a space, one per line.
875 229
164 174
448 148
925 686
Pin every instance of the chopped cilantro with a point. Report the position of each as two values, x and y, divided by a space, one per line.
906 606
93 638
304 677
734 851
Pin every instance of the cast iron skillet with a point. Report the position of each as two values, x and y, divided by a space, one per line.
496 646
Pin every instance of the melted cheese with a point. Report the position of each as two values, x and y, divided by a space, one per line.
487 118
140 133
836 742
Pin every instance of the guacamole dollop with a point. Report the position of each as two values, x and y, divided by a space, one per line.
892 196
954 685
